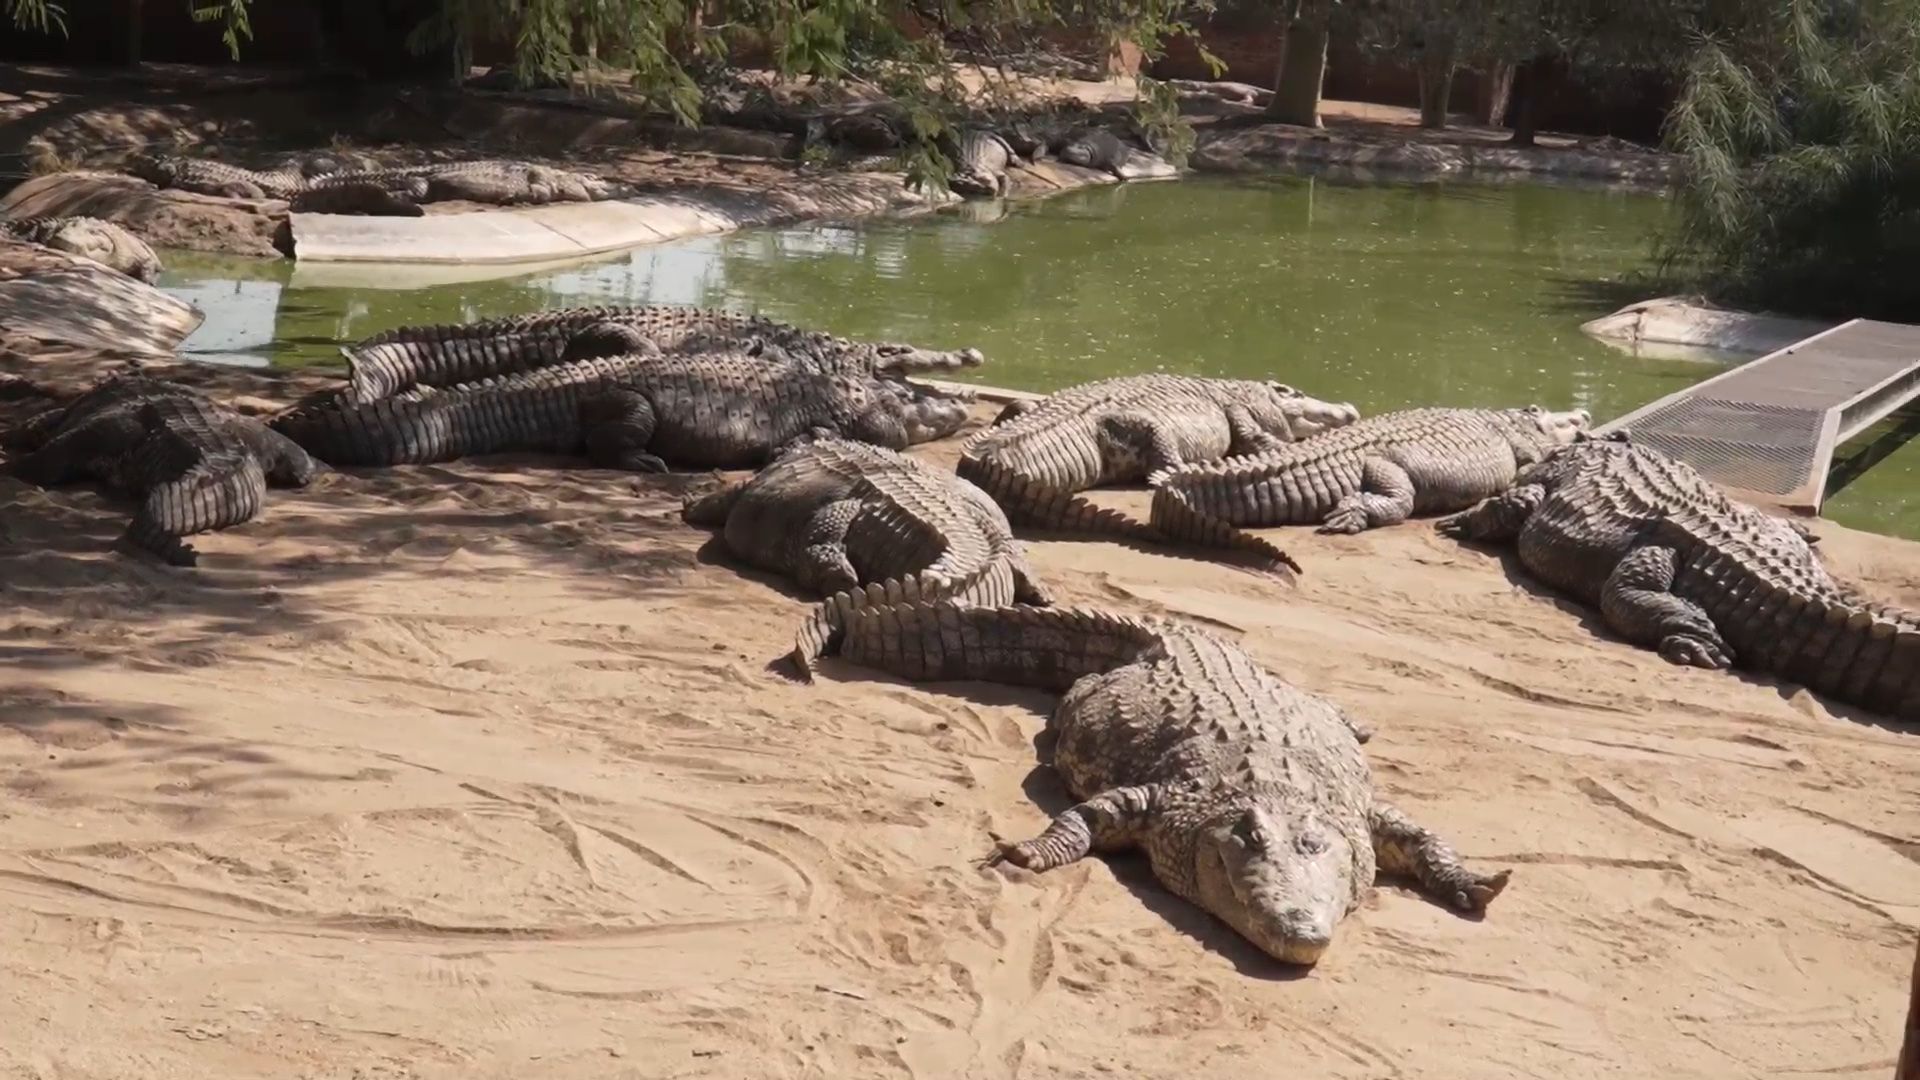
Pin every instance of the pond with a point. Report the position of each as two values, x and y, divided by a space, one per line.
1385 295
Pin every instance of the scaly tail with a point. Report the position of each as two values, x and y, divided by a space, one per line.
992 585
1176 519
1040 507
1049 648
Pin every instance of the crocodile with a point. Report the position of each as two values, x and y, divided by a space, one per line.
1376 472
862 524
193 465
1037 457
362 193
444 355
1674 565
1251 797
980 162
217 178
715 410
499 182
1095 148
102 241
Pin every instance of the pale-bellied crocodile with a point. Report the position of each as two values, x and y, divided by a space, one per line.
1674 565
1250 796
861 524
216 178
1036 458
712 410
192 464
387 363
980 162
1377 472
94 238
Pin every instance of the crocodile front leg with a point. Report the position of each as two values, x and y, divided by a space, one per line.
822 564
1248 436
1403 848
1385 498
617 425
1109 821
1498 519
1638 602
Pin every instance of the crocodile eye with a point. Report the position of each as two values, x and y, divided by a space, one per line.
1312 842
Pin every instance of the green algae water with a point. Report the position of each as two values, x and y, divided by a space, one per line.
1385 295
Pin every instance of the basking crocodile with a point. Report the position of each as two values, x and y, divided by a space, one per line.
1095 148
445 355
1036 458
1675 565
980 163
861 524
193 465
362 193
1377 472
1251 797
216 178
94 238
713 410
501 183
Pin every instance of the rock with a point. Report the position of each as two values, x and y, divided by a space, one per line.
165 219
53 296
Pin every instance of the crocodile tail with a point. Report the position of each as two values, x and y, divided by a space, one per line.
991 585
914 360
1038 506
1177 519
1049 648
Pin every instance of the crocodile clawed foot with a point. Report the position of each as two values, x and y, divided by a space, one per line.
1476 896
1344 520
1006 852
643 463
1694 652
1455 526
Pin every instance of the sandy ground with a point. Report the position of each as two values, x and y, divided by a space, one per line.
478 771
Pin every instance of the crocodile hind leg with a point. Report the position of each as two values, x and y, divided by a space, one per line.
1385 498
1248 436
1403 848
712 508
607 338
287 463
1134 446
617 424
1497 519
1638 603
822 563
1109 821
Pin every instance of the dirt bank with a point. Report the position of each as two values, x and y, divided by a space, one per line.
475 771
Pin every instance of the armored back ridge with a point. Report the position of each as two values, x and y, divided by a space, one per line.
1377 472
1036 459
192 465
862 525
94 238
1675 565
1250 797
388 363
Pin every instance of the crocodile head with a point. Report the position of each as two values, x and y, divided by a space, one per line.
1310 416
1280 876
1536 432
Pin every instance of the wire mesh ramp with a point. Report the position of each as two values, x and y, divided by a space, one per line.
1766 430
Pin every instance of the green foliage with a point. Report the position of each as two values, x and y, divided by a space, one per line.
232 17
1803 168
42 15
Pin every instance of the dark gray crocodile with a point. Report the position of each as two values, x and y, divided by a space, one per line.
1250 796
387 195
980 162
861 524
712 410
216 178
1037 458
1377 472
445 355
1095 148
94 238
193 465
1674 565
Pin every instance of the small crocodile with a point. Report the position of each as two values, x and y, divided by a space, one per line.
1095 148
980 163
1377 472
89 237
714 410
193 465
1036 458
1674 565
387 363
861 524
1250 796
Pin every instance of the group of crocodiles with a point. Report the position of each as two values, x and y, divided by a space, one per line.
324 185
1250 796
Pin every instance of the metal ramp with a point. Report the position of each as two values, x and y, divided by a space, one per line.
1766 430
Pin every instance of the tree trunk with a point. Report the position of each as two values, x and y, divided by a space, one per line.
1436 84
1303 68
1909 1066
1525 108
1498 88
